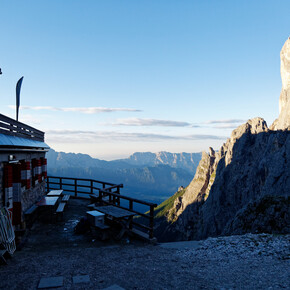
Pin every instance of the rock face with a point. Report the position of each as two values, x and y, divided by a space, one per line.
252 166
270 214
284 103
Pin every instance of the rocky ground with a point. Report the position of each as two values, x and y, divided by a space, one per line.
235 262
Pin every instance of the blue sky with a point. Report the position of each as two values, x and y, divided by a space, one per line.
110 78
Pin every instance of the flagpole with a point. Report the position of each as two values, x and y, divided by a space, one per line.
18 88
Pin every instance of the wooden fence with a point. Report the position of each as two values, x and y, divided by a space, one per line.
11 127
106 193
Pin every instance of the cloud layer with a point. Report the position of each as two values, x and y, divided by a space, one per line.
80 136
222 124
150 122
227 121
85 110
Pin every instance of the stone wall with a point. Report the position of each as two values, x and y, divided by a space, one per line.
30 196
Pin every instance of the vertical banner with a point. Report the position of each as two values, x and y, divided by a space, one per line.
18 88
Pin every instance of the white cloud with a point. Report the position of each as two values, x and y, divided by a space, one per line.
85 110
224 124
80 136
150 122
227 121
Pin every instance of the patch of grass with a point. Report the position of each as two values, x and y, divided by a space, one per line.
162 209
166 205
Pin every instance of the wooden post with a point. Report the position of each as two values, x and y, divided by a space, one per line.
118 192
76 188
92 190
151 222
130 208
100 197
47 183
60 183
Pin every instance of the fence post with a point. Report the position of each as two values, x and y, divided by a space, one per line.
100 197
151 221
92 184
47 183
118 192
76 188
60 183
131 204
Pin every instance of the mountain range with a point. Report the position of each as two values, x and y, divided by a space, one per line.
145 175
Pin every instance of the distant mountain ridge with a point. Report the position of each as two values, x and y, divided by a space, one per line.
186 161
148 176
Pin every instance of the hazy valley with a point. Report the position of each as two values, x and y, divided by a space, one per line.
145 175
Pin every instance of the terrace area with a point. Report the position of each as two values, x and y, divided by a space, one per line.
107 194
17 136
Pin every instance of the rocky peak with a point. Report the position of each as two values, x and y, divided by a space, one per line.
283 122
250 169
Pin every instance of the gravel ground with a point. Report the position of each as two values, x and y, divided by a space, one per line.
236 262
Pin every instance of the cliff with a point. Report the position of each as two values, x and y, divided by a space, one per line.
283 122
251 169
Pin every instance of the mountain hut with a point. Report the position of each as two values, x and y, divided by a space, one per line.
22 167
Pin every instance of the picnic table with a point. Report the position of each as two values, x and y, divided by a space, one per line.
122 216
47 206
48 201
61 201
55 193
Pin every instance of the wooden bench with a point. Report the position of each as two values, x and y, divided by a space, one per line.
65 198
94 198
60 209
31 210
101 226
144 236
102 230
91 206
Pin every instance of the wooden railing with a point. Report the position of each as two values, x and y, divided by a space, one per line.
11 127
80 187
106 193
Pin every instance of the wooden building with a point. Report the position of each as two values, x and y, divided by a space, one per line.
22 167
